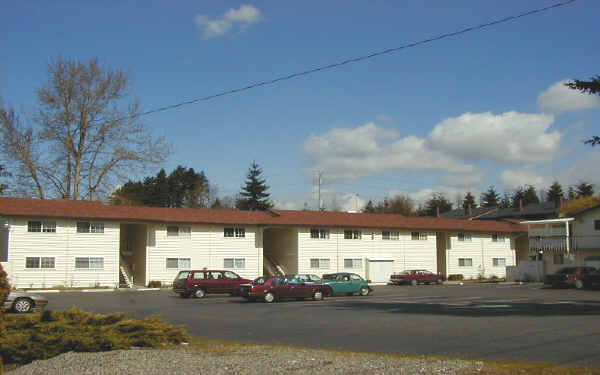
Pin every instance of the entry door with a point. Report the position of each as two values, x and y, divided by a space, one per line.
379 271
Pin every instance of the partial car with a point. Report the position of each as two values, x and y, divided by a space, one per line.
199 283
346 283
591 279
415 277
568 276
276 288
23 302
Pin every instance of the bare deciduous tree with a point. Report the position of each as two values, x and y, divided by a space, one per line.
83 136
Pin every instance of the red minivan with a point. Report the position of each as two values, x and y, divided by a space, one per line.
200 282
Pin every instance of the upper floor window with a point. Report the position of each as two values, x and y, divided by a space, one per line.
177 231
88 227
464 237
387 235
319 233
498 237
41 226
234 232
352 234
418 236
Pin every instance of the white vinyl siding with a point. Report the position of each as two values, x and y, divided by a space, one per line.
482 250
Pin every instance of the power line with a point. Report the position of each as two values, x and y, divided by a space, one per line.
351 60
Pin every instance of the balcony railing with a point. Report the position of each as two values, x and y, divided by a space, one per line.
559 243
547 232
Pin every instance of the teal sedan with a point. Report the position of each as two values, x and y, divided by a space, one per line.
346 283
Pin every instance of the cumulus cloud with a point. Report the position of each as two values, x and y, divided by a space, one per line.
514 178
510 137
370 149
233 19
560 98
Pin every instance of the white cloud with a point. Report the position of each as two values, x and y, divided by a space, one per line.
511 137
463 180
370 149
560 98
525 176
233 19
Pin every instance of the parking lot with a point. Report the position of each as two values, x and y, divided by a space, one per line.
490 321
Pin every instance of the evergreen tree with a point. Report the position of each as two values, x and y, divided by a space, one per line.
253 196
3 173
591 87
490 198
369 208
571 194
555 193
584 189
469 201
531 196
437 201
505 202
518 197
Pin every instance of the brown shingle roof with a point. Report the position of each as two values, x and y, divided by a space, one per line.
25 207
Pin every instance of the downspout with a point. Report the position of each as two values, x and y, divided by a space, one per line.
337 246
482 257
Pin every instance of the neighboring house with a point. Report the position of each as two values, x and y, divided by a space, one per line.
533 211
566 241
78 243
469 213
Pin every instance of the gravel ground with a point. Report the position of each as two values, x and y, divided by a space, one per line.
240 360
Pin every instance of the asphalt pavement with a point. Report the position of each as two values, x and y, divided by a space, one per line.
478 321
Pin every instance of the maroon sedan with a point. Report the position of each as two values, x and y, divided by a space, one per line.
271 289
414 277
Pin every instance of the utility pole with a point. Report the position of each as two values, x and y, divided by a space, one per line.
318 183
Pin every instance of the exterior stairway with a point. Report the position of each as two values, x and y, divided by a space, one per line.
272 266
125 275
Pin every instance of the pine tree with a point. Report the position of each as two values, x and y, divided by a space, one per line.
555 193
254 196
469 201
531 196
518 197
369 208
490 198
571 194
436 202
505 202
584 189
591 87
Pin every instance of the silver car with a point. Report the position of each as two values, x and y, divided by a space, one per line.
23 302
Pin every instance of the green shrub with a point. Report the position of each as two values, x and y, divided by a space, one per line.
48 334
154 284
456 277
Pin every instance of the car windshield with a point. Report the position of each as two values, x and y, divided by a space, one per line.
182 275
258 281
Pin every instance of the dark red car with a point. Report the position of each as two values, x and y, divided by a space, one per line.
414 277
568 276
274 288
200 282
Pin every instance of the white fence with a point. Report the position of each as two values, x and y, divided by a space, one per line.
529 270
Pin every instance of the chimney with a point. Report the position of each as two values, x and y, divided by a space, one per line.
521 204
438 211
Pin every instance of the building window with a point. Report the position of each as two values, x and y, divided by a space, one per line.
499 262
39 262
559 259
234 263
597 224
89 263
88 227
234 232
353 263
496 237
352 234
172 231
176 231
465 262
41 226
319 233
319 263
178 263
464 237
418 236
387 235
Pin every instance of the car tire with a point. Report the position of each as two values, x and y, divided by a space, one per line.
364 291
269 297
22 305
413 282
318 295
199 293
578 284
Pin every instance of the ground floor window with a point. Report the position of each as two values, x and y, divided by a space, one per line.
179 263
234 263
353 263
499 262
319 263
89 263
39 262
465 262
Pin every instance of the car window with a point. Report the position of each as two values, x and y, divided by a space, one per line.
346 278
198 276
355 277
329 277
258 281
314 278
183 275
230 275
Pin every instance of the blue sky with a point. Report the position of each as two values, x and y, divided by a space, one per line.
483 108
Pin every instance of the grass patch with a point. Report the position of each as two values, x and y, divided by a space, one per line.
48 334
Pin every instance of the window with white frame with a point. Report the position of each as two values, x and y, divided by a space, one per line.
319 233
96 263
319 263
236 263
177 231
234 232
418 236
499 262
178 263
388 235
498 237
465 262
464 237
89 227
353 263
41 226
39 262
352 234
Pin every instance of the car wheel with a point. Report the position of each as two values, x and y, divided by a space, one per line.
318 295
199 293
413 282
22 305
269 297
364 291
578 284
